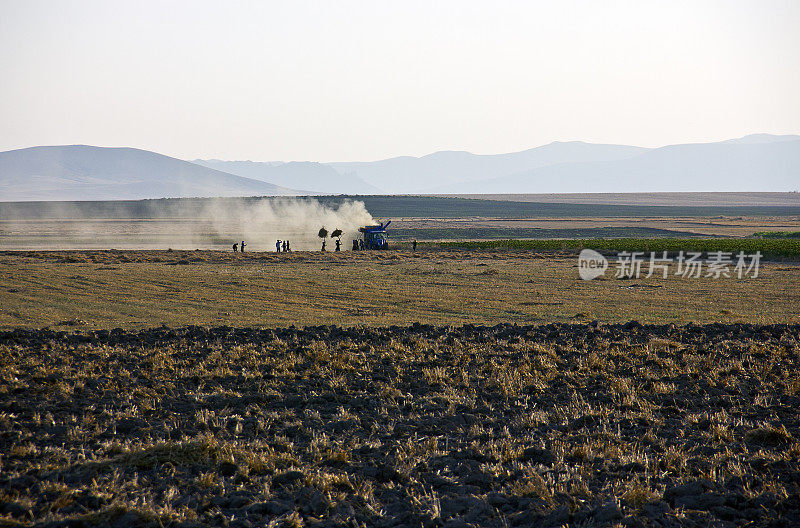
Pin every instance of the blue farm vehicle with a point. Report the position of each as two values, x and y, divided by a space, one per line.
374 236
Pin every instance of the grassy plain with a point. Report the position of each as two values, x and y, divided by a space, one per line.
141 289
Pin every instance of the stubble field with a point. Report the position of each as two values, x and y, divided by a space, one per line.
202 388
143 289
551 425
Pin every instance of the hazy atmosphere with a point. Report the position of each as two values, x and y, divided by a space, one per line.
360 81
371 264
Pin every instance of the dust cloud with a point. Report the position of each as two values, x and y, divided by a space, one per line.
179 224
297 220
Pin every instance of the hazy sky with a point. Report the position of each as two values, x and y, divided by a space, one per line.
363 80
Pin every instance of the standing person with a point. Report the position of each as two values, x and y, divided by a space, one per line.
277 246
338 245
414 245
288 246
285 245
355 244
323 245
235 247
241 248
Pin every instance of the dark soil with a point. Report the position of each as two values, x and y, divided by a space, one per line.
549 425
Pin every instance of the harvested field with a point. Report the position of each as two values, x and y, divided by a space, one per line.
590 425
143 289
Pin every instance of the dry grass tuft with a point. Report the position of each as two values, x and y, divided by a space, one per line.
769 435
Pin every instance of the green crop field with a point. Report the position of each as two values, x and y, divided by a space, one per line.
768 247
777 234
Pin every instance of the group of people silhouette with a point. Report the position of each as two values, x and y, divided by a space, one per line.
280 246
338 245
283 246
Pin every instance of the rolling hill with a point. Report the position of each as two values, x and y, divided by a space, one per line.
317 177
724 166
82 172
452 168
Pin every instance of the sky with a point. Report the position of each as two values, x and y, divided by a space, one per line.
367 80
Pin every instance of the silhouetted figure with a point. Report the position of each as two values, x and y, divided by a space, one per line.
235 247
355 245
242 246
323 245
414 245
285 246
288 246
338 245
277 246
361 244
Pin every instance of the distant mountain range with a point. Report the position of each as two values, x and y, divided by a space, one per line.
82 172
449 169
727 166
759 162
319 177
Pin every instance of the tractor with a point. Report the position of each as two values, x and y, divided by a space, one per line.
375 236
